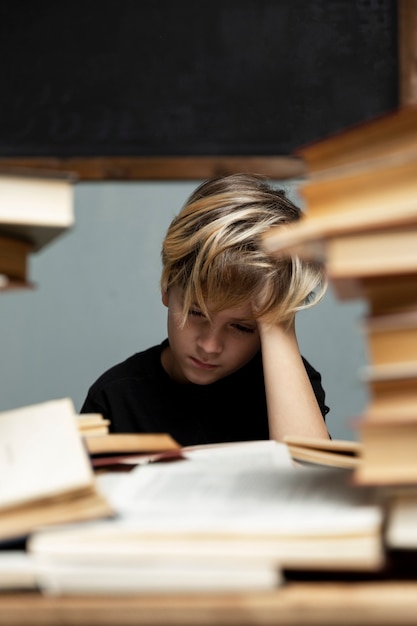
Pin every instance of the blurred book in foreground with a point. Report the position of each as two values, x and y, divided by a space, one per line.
46 472
330 452
36 207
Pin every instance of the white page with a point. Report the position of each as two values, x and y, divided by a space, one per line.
262 453
41 452
207 495
222 456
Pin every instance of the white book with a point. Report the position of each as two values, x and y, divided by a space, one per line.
36 206
114 577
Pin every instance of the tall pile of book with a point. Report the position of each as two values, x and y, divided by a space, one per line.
361 221
35 208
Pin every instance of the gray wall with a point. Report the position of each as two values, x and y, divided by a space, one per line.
97 301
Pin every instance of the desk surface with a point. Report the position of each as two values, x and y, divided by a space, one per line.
294 604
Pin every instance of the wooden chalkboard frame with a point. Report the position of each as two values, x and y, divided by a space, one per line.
96 168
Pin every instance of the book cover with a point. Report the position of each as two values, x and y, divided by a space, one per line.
388 451
330 452
14 262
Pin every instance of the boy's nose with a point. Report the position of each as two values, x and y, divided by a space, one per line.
210 340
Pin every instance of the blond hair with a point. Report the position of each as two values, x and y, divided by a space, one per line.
212 251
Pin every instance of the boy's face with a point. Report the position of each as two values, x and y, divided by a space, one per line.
202 352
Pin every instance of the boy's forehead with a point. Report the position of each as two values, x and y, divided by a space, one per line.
241 312
236 306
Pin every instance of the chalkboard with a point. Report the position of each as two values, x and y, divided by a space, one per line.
186 77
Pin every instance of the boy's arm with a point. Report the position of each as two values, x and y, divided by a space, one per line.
292 405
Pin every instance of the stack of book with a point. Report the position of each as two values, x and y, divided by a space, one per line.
35 208
92 425
225 517
361 222
222 517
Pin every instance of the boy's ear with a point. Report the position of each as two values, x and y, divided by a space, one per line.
165 298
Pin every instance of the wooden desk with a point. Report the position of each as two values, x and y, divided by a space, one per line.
295 604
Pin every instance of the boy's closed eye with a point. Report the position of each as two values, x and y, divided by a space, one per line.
243 328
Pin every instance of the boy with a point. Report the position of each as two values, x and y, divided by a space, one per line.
230 368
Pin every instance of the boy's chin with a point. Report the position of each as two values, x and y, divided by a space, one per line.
202 378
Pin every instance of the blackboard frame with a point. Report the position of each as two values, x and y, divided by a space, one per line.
194 167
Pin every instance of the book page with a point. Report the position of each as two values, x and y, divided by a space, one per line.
262 453
41 453
206 496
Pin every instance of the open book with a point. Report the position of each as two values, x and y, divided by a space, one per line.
46 476
243 505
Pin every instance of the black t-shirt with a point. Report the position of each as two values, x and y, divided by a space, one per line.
137 395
